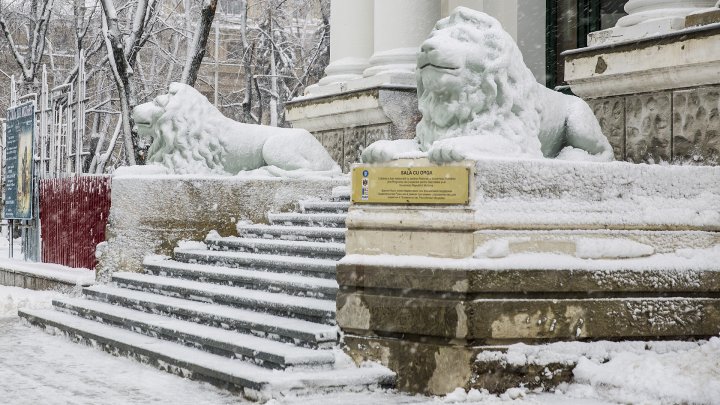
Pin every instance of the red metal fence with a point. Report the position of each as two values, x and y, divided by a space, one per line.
73 216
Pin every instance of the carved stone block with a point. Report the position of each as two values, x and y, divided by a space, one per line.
648 129
333 143
696 125
378 132
610 113
354 143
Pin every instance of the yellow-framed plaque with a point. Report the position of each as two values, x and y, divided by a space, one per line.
449 185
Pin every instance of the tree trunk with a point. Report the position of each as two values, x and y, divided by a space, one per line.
195 58
122 73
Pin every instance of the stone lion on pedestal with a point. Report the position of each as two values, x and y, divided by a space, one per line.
478 99
191 136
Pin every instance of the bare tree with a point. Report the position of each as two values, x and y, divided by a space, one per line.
38 17
123 56
199 43
265 52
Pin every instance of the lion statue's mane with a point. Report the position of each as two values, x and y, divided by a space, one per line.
478 99
191 136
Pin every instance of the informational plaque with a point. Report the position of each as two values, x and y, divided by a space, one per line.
411 185
19 136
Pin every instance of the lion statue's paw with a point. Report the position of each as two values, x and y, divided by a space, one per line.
475 147
385 151
572 153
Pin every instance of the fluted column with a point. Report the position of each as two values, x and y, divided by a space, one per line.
401 26
351 40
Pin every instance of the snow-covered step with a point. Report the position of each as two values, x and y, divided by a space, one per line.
267 352
261 280
316 207
319 310
261 383
293 232
341 193
278 263
325 250
319 220
272 326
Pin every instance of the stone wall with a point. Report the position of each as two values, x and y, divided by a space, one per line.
346 145
150 214
678 126
346 123
657 98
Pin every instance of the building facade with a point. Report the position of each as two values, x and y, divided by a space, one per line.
367 92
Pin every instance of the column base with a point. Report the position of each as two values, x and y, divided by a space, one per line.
344 70
401 61
638 31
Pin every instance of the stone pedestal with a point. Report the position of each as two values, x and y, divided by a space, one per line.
657 98
545 251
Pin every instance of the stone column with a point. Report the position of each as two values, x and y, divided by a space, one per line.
400 28
648 18
449 5
351 40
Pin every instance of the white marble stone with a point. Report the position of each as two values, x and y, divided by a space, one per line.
191 136
478 98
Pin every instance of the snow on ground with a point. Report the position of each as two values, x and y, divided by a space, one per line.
36 367
50 271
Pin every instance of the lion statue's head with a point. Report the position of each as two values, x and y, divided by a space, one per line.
472 81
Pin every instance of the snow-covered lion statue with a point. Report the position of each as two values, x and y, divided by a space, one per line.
191 136
478 99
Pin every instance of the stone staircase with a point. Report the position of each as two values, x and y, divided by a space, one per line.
254 312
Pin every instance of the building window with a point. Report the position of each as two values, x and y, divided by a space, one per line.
232 6
569 23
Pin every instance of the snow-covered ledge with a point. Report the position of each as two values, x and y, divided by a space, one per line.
681 59
648 18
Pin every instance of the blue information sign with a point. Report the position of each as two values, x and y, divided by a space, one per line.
19 141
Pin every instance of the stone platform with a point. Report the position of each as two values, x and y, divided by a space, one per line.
545 251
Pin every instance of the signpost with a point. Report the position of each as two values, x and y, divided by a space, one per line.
448 185
19 166
19 138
